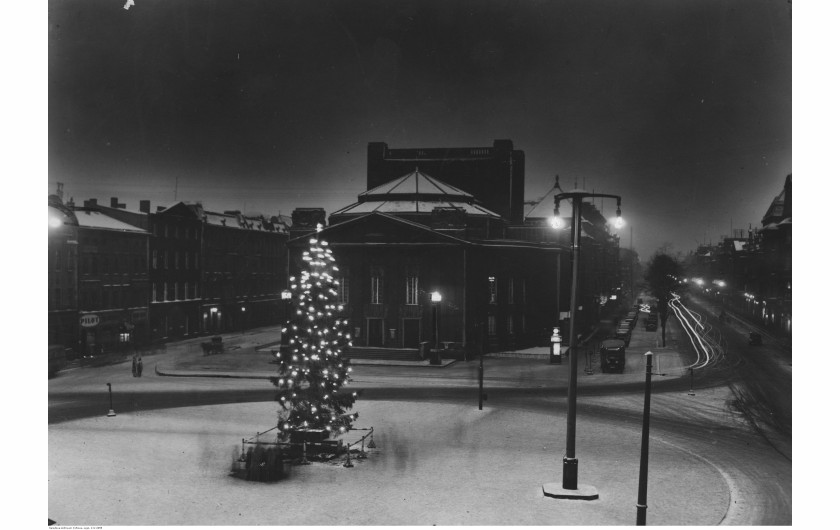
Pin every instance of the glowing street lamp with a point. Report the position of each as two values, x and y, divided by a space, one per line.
436 298
569 489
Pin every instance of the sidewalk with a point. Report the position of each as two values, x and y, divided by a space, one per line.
248 356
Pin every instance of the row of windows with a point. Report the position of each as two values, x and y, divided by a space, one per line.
412 290
112 263
175 260
112 297
176 231
171 291
60 298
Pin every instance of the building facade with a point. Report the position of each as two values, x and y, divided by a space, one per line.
244 270
113 283
62 282
751 271
416 235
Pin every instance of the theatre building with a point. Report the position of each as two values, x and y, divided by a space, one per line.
414 235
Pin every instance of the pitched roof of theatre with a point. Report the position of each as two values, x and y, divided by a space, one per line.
415 192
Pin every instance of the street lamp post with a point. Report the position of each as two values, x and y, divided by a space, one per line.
436 299
570 489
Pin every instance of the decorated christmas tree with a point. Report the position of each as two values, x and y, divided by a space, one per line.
312 371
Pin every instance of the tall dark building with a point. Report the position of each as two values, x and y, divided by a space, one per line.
113 282
494 176
175 272
62 308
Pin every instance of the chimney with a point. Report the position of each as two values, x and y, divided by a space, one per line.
90 203
115 202
146 206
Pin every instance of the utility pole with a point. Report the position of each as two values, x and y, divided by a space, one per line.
641 504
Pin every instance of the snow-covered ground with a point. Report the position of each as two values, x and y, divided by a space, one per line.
443 464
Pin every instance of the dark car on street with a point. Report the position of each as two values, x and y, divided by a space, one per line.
612 356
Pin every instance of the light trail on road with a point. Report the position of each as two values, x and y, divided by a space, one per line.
706 341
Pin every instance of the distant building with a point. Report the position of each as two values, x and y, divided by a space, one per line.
416 234
494 176
751 271
113 282
175 256
120 278
244 270
62 281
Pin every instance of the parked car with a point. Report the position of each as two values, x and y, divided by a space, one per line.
623 334
612 356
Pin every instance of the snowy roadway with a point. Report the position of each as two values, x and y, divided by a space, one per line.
439 460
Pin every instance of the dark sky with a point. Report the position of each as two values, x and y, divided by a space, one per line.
682 107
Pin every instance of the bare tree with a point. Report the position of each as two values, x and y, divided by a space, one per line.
663 277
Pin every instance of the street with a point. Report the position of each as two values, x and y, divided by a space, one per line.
746 465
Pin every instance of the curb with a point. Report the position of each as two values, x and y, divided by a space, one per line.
166 372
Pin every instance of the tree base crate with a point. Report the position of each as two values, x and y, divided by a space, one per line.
309 436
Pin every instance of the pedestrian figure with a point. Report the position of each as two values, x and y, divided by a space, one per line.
134 366
139 367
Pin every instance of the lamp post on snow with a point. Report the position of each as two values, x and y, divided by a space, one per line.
569 489
436 299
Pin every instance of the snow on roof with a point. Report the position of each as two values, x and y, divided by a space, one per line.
221 219
416 183
413 207
93 219
739 245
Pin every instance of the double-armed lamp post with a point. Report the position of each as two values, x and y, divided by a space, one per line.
569 489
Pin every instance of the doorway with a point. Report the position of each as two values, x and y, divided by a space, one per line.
375 332
411 333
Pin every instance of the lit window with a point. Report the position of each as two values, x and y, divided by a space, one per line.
491 325
375 289
493 289
154 293
411 290
343 290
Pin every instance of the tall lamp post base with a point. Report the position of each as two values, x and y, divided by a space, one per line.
582 493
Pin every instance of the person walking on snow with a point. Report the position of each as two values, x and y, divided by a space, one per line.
139 367
134 366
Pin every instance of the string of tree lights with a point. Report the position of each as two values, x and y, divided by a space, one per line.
312 370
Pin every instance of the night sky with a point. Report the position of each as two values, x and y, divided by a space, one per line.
682 107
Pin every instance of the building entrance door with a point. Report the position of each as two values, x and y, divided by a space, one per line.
375 332
411 333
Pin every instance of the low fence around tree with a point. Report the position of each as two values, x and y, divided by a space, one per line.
269 461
